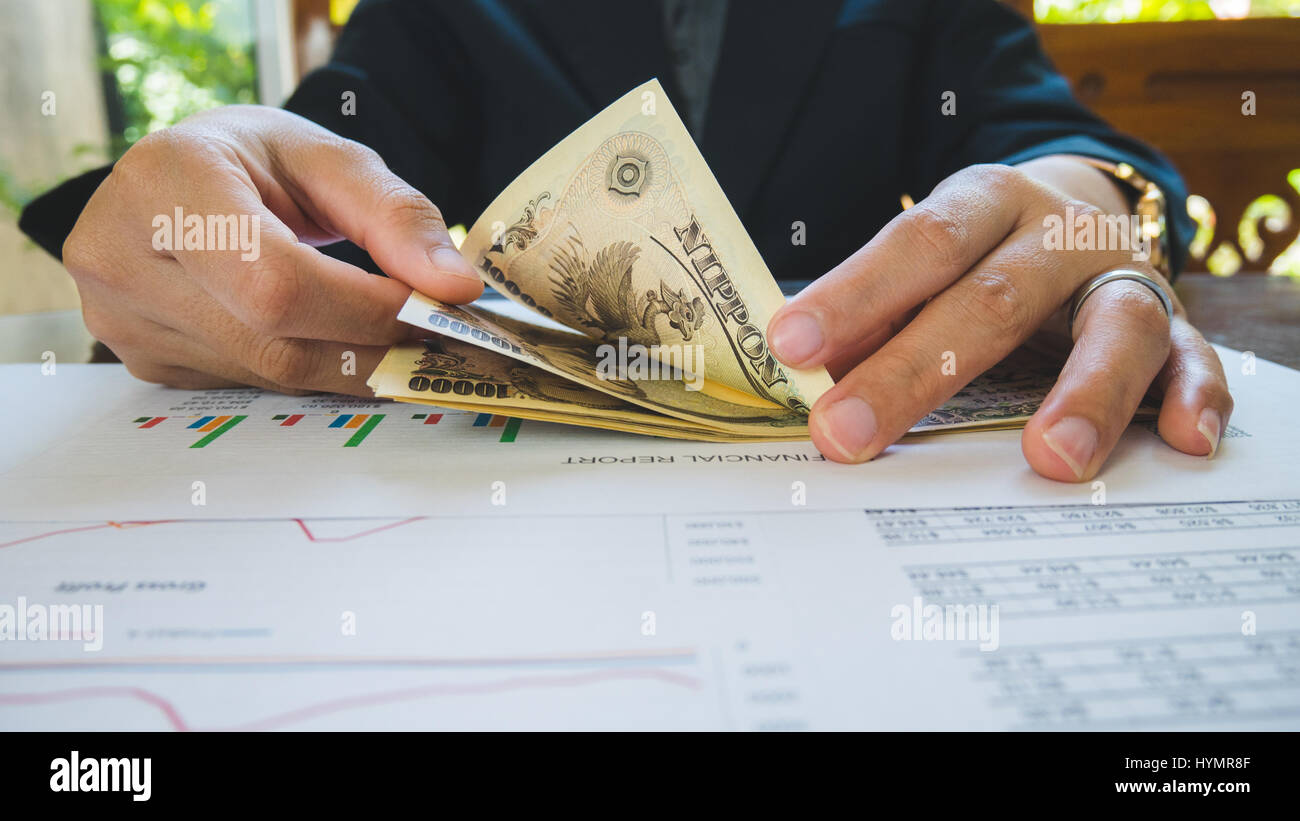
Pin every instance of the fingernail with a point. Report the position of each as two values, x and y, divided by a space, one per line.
1075 441
449 261
849 425
796 337
1211 427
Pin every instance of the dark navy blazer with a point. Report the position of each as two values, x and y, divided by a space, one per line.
821 111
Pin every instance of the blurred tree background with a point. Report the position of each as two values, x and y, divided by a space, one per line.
168 59
161 61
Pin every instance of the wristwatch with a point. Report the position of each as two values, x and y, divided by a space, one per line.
1148 202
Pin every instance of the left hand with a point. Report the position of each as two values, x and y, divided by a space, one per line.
966 272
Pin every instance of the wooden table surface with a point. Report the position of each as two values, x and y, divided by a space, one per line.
1249 312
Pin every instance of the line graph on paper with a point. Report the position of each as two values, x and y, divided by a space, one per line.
460 623
310 693
305 526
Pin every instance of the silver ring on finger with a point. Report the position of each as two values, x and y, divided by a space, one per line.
1090 287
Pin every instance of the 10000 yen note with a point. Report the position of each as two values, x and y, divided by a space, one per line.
573 357
453 374
622 233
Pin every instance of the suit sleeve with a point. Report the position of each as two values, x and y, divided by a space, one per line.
1012 106
48 219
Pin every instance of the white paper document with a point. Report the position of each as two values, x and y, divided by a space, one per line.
234 559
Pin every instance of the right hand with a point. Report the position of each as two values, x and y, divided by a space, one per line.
288 319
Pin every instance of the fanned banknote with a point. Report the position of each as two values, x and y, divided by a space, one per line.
621 235
455 374
574 357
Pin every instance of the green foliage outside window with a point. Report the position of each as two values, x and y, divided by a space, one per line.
174 58
1133 11
168 59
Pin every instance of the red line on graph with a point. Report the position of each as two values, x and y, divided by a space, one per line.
123 525
314 538
164 706
153 421
118 525
291 421
433 419
177 722
505 685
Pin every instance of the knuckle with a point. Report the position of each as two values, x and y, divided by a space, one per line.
79 255
145 370
328 150
939 237
914 379
363 155
1087 212
176 156
139 166
998 178
189 380
107 324
98 324
406 206
996 300
287 362
275 288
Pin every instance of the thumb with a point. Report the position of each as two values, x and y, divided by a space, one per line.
350 192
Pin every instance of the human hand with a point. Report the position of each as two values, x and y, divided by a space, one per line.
966 272
273 311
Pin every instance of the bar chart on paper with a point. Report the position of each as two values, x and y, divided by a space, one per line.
211 426
261 452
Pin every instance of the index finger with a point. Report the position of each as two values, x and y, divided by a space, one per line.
919 253
346 188
275 284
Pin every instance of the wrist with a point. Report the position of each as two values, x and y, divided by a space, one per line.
1116 188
